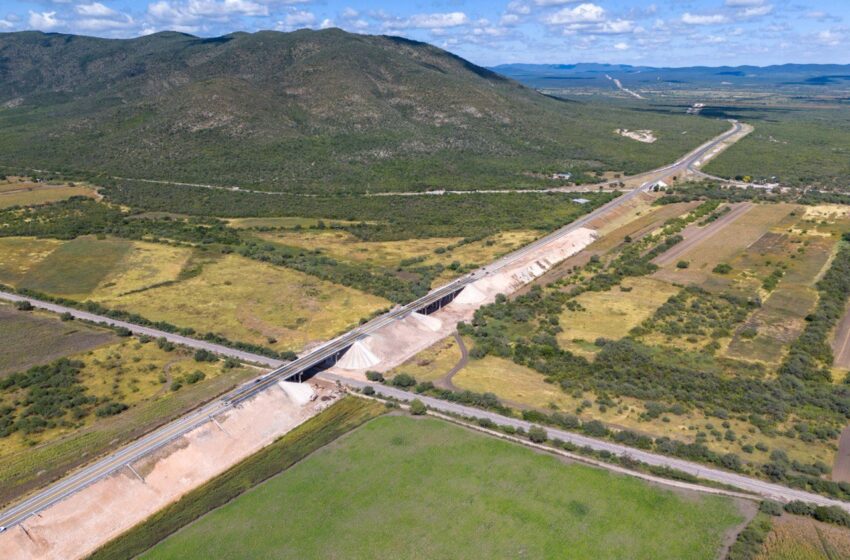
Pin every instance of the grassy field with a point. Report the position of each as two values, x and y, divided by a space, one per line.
141 376
19 254
254 302
32 338
525 388
432 363
145 265
726 244
614 313
802 538
344 246
21 192
405 488
77 267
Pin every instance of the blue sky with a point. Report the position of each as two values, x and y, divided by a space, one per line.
664 32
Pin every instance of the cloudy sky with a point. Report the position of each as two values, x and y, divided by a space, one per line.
664 32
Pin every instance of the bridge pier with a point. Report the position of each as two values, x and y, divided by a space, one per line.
439 304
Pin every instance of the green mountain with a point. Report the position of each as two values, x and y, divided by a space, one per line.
318 111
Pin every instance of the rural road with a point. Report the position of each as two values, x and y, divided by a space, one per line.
156 439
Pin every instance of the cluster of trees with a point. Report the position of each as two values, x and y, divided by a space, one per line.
77 216
381 218
810 356
44 397
694 311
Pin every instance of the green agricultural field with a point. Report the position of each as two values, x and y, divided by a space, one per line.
76 268
406 488
29 338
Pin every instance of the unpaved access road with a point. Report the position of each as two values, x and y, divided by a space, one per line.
695 234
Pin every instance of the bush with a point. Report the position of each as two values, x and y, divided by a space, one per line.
403 380
66 316
111 409
368 390
203 355
832 514
722 268
682 264
374 376
23 306
799 508
537 434
417 407
771 508
194 377
123 332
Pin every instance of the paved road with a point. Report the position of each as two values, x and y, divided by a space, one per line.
759 487
156 439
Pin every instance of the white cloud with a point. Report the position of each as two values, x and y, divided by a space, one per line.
703 19
194 11
554 2
509 19
423 21
43 20
621 46
589 19
517 7
6 24
756 11
350 13
103 24
583 13
743 3
297 19
95 9
829 38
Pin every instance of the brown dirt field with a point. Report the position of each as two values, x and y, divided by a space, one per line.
841 467
722 241
802 538
29 338
76 526
841 342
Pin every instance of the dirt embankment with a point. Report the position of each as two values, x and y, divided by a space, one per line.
393 344
75 527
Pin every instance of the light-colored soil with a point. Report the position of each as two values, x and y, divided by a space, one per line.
645 136
401 340
78 525
841 467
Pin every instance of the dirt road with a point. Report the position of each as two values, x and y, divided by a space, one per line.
694 234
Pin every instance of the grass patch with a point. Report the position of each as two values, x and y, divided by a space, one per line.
19 254
405 488
27 193
614 313
254 302
432 363
283 453
76 268
144 266
33 338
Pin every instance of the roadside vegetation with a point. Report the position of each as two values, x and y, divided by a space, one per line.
66 411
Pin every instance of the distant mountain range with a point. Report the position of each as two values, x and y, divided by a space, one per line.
543 76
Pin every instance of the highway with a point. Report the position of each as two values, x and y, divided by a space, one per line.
161 436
